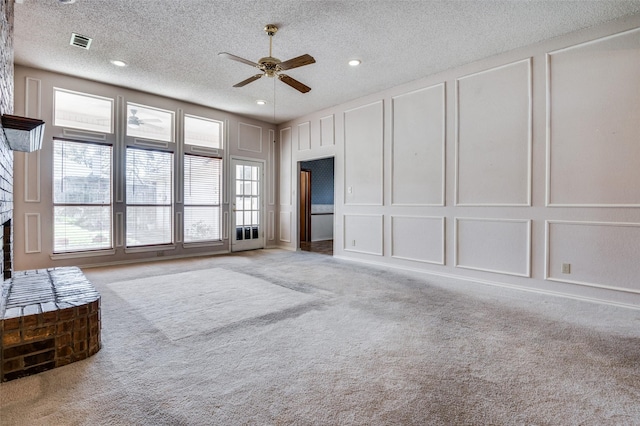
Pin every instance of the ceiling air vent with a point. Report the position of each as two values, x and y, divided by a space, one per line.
80 41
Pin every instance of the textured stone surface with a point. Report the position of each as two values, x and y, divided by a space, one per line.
49 318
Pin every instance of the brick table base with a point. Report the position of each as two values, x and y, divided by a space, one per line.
49 318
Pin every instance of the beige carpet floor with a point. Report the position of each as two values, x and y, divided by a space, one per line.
273 337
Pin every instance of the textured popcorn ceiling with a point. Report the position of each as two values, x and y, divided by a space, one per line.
171 47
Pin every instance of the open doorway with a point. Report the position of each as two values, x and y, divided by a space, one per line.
316 205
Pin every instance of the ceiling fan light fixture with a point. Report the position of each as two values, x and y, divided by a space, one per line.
355 62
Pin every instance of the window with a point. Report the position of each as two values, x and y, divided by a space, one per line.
202 176
149 197
82 111
149 123
81 196
202 132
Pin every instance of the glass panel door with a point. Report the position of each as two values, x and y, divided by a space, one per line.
246 205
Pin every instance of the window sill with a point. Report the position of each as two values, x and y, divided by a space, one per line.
144 249
78 254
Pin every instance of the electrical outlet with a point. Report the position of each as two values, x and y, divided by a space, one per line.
566 268
353 243
350 191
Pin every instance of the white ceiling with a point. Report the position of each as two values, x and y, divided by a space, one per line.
171 46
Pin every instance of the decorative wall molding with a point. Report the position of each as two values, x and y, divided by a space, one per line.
503 245
426 167
286 168
33 98
32 233
225 225
304 136
271 228
271 166
370 229
119 231
496 187
249 137
119 150
179 227
285 227
625 253
605 124
327 131
150 143
417 237
364 155
32 177
83 134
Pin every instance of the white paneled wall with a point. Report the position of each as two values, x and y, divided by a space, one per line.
519 170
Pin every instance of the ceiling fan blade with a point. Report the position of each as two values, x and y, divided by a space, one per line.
297 62
247 81
238 58
150 120
294 83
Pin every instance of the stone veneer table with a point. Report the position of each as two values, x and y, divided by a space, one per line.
48 318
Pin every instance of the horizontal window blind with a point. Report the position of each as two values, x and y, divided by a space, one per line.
149 185
81 196
202 187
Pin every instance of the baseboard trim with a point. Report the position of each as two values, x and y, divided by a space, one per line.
495 284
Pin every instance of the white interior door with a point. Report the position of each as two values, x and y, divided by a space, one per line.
247 227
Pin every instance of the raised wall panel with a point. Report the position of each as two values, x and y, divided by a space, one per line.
363 233
598 254
593 151
32 234
32 177
418 238
285 227
493 140
225 226
304 136
285 166
119 231
363 173
418 147
271 229
327 131
494 245
33 98
249 137
271 167
179 227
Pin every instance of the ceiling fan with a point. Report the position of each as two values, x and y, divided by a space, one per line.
272 67
134 121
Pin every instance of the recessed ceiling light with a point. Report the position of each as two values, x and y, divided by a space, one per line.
67 1
261 102
355 62
119 63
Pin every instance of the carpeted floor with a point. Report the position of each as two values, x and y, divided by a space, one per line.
273 337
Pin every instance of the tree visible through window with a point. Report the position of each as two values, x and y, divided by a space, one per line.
81 196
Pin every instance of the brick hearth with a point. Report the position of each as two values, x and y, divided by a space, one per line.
49 318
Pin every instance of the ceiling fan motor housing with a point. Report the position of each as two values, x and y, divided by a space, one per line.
269 65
